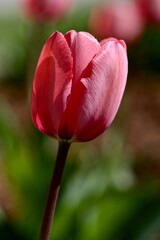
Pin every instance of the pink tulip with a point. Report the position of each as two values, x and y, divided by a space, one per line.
45 10
150 10
119 19
78 85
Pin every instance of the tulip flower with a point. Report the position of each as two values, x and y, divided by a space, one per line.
78 85
150 10
45 10
120 19
77 89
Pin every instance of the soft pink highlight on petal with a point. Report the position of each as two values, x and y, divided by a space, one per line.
115 40
108 40
123 44
101 91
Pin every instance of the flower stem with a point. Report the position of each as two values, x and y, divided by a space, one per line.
54 190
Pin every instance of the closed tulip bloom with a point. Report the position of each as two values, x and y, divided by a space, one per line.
119 19
45 10
78 85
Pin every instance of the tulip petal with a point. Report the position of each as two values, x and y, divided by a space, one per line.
52 84
101 90
83 46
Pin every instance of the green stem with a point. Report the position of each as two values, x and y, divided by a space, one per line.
54 190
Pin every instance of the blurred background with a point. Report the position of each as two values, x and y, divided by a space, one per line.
111 186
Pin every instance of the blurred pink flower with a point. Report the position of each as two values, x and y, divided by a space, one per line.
78 85
45 10
150 10
118 19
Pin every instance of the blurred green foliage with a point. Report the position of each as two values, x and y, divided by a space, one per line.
101 196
